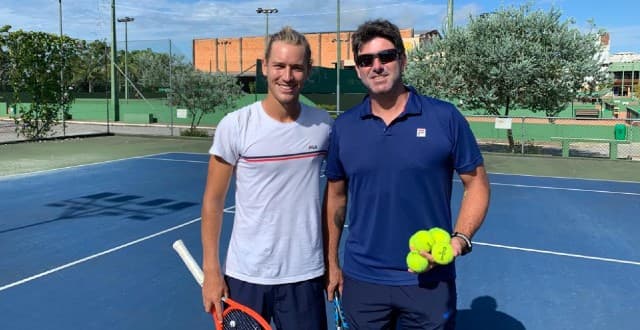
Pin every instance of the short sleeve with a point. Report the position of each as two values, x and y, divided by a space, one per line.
466 153
334 170
226 139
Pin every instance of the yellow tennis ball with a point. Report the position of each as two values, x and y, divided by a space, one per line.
416 262
421 241
440 235
442 253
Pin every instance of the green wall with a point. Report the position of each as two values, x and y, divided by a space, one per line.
544 132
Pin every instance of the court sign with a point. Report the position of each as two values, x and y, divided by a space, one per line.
503 123
181 113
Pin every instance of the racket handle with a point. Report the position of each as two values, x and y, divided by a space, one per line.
188 260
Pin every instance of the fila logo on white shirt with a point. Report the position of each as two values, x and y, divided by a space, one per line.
313 147
421 132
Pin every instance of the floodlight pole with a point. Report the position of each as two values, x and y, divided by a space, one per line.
114 77
266 12
338 56
126 20
64 125
450 16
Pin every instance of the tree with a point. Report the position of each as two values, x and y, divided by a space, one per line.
151 70
203 93
512 58
90 67
36 61
4 56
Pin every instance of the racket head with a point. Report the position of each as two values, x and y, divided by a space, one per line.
237 316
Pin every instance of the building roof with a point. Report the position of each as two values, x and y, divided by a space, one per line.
624 57
624 66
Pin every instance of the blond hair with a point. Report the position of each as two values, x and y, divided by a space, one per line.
292 37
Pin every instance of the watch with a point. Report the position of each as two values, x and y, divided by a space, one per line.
468 246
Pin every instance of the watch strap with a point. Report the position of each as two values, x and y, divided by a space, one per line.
468 245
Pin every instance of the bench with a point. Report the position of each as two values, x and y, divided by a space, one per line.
140 118
613 144
587 113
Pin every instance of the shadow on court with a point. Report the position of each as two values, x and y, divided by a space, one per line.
484 314
111 204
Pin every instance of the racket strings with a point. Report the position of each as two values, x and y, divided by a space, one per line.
238 320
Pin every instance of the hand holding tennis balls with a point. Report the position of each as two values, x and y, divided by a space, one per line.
436 242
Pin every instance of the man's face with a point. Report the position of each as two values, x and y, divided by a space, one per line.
286 71
380 77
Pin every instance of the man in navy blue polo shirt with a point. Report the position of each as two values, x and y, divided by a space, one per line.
394 156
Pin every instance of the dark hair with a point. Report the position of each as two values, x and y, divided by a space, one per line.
381 28
290 36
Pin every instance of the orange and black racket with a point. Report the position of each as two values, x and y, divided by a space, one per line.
235 316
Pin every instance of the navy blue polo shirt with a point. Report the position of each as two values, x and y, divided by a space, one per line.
399 181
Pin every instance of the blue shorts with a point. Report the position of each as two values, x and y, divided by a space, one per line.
298 305
375 306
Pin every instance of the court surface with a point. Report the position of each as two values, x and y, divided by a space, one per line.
89 247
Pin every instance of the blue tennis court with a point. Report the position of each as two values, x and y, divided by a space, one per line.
89 247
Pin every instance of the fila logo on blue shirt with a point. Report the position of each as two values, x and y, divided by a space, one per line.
421 132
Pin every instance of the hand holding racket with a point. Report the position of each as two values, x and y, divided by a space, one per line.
235 316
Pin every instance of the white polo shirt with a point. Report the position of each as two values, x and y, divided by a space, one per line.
277 233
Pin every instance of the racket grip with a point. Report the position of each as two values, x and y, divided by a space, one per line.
188 260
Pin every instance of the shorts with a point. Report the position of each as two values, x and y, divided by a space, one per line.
375 306
299 305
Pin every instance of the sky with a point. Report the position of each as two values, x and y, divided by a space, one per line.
181 21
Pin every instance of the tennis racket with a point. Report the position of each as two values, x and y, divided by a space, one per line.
235 316
341 322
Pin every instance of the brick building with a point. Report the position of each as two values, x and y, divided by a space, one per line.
238 56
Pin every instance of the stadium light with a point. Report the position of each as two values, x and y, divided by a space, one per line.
126 20
266 12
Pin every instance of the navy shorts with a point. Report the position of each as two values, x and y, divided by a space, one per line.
375 306
298 305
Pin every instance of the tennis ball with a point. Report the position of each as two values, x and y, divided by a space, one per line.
416 262
442 253
440 235
421 241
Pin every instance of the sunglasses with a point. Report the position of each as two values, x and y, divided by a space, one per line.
385 56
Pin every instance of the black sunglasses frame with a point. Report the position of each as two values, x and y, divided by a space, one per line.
385 56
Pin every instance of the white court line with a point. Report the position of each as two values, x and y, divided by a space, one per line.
85 259
560 253
567 189
177 160
13 176
562 177
561 188
120 247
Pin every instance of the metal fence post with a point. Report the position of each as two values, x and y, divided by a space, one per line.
522 133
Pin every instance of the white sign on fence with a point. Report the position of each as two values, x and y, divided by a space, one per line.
181 113
503 123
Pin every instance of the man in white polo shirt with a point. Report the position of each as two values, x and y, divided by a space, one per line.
275 148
